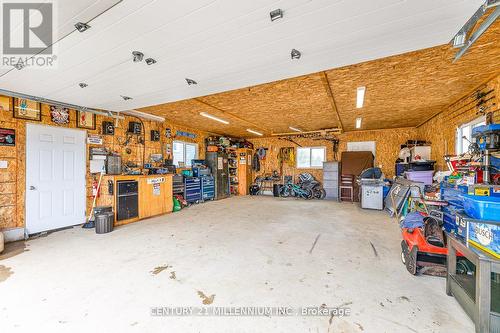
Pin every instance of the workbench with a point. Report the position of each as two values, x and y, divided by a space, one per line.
154 195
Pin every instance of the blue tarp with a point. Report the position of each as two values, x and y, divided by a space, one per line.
413 220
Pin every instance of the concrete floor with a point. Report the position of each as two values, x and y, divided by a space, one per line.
246 251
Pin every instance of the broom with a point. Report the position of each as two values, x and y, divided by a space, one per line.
90 224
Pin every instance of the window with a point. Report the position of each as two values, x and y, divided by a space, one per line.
464 134
184 152
311 157
362 146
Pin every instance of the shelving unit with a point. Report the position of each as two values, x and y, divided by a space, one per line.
232 157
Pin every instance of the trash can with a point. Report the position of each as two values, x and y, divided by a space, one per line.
104 222
277 189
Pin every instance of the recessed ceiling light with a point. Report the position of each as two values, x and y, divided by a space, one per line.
81 26
137 56
294 129
358 122
83 85
126 98
360 97
295 54
207 115
150 61
276 14
254 132
191 82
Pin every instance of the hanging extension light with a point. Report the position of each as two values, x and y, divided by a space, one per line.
295 54
137 56
276 14
82 27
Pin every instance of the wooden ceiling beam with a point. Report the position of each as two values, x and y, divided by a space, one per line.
230 114
331 98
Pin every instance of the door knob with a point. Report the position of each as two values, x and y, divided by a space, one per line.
32 188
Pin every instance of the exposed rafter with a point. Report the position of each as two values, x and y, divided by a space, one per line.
331 98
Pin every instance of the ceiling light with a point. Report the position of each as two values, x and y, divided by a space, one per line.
126 98
150 61
254 132
204 114
80 26
360 98
358 122
19 65
294 129
191 82
295 54
137 56
276 14
83 85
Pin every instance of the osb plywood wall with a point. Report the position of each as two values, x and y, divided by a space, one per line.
387 148
12 179
441 130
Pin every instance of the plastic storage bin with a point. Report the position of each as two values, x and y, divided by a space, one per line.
420 176
482 208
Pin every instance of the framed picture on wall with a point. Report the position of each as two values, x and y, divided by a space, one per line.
85 120
5 103
26 109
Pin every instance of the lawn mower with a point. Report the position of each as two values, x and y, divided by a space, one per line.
423 248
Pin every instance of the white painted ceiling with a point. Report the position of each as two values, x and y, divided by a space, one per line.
223 44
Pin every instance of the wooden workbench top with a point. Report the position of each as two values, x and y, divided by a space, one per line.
131 177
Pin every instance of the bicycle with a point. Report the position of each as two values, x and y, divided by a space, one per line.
290 189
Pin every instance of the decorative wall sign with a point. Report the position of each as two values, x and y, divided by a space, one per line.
5 103
168 132
185 134
59 115
94 139
108 128
7 137
85 119
155 135
26 109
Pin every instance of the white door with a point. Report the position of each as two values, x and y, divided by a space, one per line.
55 177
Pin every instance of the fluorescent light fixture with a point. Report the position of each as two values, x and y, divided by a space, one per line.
360 98
82 27
254 132
207 115
144 115
358 122
294 129
276 14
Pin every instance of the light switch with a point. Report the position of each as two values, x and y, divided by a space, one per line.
3 164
